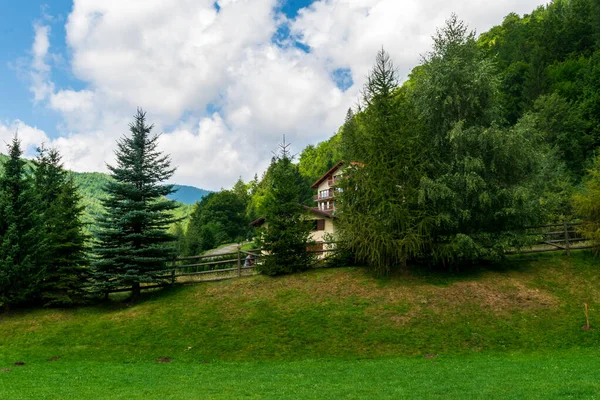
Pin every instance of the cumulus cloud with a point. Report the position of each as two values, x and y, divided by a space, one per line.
30 137
348 33
215 82
40 70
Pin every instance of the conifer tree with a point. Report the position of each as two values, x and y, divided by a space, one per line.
21 242
587 206
65 259
286 237
133 244
378 218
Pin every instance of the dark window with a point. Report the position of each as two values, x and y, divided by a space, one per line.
319 225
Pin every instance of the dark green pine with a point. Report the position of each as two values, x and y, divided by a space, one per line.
132 243
65 259
286 237
21 239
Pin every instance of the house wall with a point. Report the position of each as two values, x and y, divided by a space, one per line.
321 236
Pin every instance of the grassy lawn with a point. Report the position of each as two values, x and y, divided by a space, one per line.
566 375
504 331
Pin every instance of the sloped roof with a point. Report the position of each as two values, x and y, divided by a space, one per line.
331 171
316 211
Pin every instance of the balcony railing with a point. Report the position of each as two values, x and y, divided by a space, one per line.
334 180
324 196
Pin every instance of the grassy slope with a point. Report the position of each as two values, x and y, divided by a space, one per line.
309 334
339 313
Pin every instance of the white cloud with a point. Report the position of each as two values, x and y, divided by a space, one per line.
348 33
177 58
30 137
40 70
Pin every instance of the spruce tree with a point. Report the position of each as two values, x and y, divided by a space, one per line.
132 243
21 240
378 217
286 237
65 259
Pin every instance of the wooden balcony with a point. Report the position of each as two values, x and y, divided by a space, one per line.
329 195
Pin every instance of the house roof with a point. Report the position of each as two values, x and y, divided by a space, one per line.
331 171
258 222
316 211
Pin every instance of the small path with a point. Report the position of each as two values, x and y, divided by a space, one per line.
230 248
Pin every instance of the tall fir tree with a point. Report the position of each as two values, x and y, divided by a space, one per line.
21 240
378 219
286 236
65 259
132 243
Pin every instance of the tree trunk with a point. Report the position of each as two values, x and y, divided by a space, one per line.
135 291
6 308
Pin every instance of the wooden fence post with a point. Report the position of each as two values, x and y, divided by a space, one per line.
239 262
566 237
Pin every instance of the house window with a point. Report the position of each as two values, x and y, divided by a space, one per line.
319 225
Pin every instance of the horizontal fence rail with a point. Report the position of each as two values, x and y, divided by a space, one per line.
204 268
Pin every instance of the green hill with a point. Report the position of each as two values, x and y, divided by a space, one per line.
91 186
531 305
334 333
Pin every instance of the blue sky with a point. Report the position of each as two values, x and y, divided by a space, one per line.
16 38
222 81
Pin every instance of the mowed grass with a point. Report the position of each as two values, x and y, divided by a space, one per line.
507 331
566 375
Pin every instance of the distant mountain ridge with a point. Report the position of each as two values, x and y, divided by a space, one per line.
91 188
188 194
91 185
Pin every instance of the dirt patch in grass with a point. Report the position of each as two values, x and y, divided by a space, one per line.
19 363
512 295
5 370
164 360
56 358
498 293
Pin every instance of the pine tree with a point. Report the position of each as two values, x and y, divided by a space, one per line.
65 258
378 219
286 237
21 242
133 245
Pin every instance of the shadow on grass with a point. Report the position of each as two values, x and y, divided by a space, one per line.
123 300
416 273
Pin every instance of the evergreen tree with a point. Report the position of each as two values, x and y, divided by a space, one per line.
133 245
377 215
286 237
21 241
479 185
587 206
64 258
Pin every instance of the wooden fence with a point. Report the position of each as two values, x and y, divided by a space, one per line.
562 236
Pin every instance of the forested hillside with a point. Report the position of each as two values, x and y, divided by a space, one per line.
548 66
91 184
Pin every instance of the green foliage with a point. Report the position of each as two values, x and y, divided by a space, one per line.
217 219
21 240
587 206
455 83
285 239
64 257
132 244
314 161
378 219
552 52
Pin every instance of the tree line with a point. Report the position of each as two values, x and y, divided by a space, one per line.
46 255
488 135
